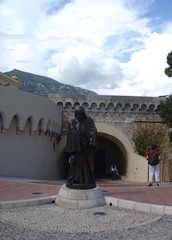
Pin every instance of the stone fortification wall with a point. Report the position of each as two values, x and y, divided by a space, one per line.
108 103
122 112
116 118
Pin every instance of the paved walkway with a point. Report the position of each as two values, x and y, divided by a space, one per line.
23 192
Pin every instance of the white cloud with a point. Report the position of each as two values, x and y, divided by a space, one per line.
146 67
103 45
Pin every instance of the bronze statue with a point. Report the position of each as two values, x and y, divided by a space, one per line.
81 143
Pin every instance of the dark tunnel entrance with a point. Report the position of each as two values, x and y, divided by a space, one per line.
107 154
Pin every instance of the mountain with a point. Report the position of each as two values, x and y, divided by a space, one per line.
44 85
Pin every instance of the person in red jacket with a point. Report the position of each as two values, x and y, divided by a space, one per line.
153 157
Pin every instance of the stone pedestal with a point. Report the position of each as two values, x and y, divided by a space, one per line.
79 199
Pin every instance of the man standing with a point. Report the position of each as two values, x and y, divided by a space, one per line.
153 157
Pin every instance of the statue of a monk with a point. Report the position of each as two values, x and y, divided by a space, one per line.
81 143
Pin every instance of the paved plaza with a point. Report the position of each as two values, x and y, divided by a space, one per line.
109 222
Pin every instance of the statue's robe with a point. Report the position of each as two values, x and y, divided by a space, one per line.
81 143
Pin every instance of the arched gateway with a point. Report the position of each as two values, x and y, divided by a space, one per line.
117 150
115 117
113 147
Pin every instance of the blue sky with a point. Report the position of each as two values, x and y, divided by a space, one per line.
112 47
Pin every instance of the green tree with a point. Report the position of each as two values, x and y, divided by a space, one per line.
145 136
168 70
166 113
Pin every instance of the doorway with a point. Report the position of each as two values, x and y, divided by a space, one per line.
107 154
100 163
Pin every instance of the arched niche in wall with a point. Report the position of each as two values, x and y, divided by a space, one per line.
127 107
158 109
41 126
14 127
110 107
60 104
29 125
143 108
151 108
102 107
76 104
119 107
68 106
86 106
93 107
135 108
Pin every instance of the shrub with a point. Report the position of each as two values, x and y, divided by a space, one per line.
145 136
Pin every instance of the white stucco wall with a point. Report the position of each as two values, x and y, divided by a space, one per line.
25 155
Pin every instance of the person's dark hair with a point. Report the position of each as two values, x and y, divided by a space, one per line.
154 146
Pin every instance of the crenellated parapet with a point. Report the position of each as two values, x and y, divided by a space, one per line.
102 103
122 112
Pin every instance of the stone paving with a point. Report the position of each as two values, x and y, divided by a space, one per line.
51 222
17 189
